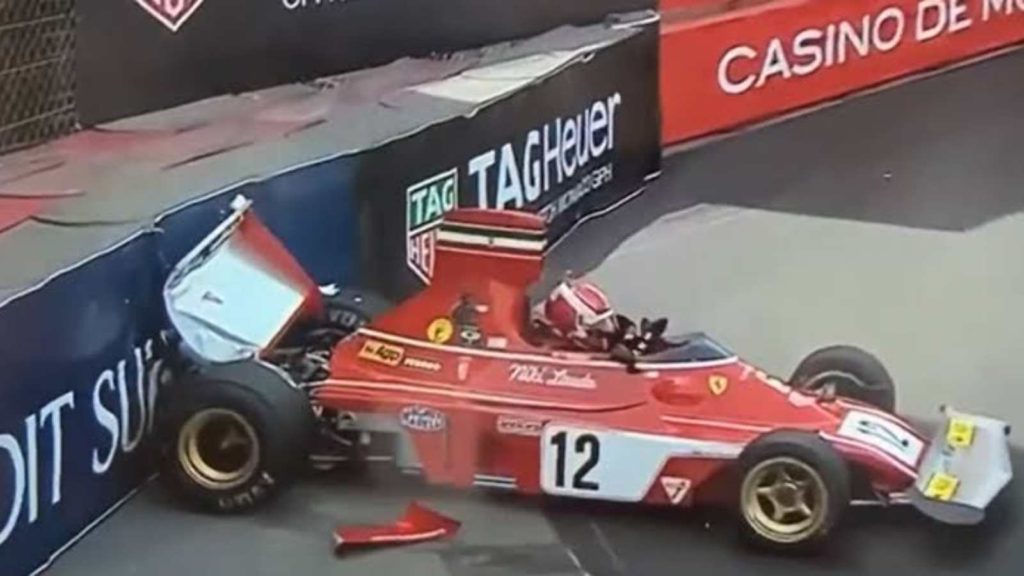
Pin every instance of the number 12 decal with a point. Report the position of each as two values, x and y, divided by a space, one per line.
586 446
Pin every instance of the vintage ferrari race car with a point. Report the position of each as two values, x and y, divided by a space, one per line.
453 384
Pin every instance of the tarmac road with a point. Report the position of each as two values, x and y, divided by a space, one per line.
892 221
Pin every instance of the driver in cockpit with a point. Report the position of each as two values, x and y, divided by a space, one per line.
577 315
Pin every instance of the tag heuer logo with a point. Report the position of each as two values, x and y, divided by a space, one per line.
426 203
171 13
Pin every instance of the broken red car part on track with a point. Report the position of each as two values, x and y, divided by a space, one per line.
454 385
418 524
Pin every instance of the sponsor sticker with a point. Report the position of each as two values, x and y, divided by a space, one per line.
422 419
518 426
462 369
550 376
421 364
426 202
718 384
376 351
440 330
675 488
499 342
960 433
171 13
469 335
941 487
883 434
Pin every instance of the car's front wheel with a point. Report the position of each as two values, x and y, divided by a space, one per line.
794 488
229 441
852 372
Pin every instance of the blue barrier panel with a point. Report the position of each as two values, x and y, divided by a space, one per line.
81 362
309 209
81 357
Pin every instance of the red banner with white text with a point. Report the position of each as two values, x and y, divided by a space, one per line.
723 72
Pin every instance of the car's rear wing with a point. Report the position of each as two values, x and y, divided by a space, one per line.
964 469
503 245
236 292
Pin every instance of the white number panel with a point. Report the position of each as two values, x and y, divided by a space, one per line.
613 465
883 434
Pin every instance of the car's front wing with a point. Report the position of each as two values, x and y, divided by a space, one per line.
964 468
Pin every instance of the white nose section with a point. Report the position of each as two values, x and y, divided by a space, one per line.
964 469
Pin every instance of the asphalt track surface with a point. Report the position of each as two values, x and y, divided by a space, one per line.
893 221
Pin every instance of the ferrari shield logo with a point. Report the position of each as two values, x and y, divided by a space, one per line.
171 13
426 203
440 330
718 384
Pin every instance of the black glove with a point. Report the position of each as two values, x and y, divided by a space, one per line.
649 339
625 332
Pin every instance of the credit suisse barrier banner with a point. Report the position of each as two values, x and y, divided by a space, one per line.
756 63
139 55
81 367
84 358
568 146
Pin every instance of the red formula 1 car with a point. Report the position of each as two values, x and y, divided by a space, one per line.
453 383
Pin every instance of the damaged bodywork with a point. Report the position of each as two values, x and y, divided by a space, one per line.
236 292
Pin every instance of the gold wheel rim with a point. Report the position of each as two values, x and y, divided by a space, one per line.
784 500
218 449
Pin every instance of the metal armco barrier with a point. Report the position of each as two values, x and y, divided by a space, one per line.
575 143
753 64
167 52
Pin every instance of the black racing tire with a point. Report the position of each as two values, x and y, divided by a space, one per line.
819 478
855 373
352 308
232 439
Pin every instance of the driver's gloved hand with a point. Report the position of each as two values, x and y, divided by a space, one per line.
625 325
642 344
649 339
626 334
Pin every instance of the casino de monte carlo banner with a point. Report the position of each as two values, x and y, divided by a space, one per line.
754 64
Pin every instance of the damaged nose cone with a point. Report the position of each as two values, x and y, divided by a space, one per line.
419 524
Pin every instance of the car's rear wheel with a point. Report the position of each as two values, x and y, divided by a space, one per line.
794 488
231 440
854 373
